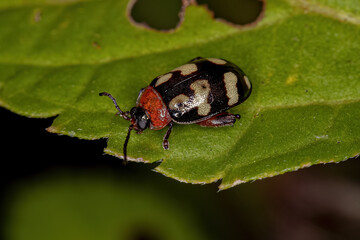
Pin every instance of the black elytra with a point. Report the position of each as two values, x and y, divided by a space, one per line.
213 71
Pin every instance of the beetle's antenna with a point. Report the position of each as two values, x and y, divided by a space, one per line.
126 143
124 115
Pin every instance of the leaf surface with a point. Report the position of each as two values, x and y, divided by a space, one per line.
302 59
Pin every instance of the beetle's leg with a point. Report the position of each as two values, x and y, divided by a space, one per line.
166 136
220 120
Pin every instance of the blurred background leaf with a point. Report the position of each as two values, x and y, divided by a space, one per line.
94 206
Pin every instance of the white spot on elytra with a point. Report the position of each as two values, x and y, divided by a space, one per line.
247 82
217 61
163 79
183 103
230 81
186 69
202 90
180 103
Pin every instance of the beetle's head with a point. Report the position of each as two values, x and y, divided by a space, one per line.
139 119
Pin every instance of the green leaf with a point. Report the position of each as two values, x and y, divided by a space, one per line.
302 58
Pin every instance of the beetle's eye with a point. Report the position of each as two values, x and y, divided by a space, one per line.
140 118
143 122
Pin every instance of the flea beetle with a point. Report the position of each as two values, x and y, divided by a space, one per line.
199 91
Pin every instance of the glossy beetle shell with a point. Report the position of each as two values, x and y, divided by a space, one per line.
201 89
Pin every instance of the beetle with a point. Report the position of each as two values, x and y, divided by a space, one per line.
199 92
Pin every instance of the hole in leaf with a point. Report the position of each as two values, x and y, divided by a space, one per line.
239 12
157 14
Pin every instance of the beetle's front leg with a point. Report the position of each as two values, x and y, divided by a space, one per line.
166 136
